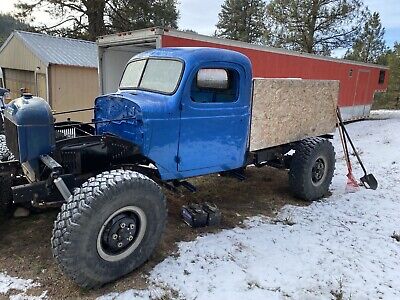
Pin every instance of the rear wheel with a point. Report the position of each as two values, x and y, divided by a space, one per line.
311 169
109 227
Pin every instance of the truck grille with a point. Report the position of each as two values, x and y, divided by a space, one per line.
11 132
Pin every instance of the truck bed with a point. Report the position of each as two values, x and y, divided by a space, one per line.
288 110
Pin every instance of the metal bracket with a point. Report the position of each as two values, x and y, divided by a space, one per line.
56 170
62 187
53 165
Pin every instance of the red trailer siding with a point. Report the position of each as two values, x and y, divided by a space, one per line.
358 82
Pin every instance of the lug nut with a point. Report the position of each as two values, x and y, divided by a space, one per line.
115 236
119 245
122 225
130 238
132 226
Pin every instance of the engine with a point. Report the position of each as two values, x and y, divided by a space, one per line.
29 128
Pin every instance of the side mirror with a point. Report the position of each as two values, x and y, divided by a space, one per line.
212 79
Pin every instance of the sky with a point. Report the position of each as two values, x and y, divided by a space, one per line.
202 15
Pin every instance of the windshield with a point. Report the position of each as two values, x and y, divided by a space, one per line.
158 75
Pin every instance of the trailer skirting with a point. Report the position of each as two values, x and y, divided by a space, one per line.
355 112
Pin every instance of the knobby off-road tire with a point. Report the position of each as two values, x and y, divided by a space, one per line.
5 154
77 243
312 168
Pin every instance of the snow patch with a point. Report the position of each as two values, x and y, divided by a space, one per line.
24 296
9 284
13 283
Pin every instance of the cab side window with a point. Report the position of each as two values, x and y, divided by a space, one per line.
211 85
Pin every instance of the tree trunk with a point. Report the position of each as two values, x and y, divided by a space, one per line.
95 10
311 26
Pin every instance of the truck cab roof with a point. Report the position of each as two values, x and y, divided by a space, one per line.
193 55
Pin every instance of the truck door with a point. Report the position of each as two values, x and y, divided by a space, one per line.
215 116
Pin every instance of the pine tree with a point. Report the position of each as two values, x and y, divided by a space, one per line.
369 45
313 26
390 99
89 19
128 15
242 20
8 23
75 18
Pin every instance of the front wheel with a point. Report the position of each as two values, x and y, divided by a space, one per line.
312 167
109 227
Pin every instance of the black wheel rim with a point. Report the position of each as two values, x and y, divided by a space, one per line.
318 172
121 233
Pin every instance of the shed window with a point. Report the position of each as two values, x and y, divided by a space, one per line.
382 75
226 93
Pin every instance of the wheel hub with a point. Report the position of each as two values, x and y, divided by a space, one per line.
318 171
120 233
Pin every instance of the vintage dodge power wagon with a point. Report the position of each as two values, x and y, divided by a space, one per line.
178 113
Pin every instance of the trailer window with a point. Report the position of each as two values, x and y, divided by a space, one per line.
382 74
215 93
156 75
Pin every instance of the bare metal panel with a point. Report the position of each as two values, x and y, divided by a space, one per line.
288 110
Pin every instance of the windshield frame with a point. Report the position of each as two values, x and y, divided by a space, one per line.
141 76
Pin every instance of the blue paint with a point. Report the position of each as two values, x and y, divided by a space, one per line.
34 119
182 137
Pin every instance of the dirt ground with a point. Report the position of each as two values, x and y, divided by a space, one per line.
25 243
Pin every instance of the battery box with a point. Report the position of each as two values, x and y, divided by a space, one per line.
213 214
196 215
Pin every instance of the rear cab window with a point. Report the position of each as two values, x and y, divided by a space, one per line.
215 85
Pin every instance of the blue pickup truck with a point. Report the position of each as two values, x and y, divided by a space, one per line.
178 113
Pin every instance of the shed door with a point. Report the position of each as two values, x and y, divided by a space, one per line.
17 79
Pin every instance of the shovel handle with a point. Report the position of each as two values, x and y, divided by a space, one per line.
348 137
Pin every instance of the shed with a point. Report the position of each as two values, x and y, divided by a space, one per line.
61 70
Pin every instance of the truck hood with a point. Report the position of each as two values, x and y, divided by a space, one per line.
131 114
143 105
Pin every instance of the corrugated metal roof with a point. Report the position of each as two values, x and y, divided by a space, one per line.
60 51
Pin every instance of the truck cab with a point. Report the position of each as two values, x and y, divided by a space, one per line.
188 109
